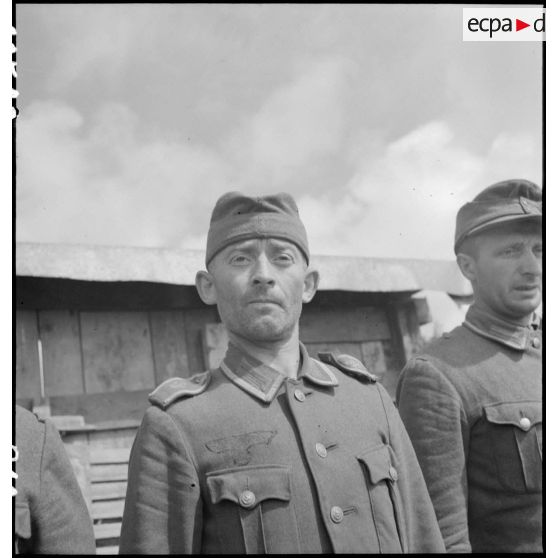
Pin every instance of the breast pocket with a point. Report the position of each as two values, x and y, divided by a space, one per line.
262 499
381 476
516 442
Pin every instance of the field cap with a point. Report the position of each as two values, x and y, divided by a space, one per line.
509 200
238 217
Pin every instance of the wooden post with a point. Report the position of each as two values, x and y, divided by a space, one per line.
42 410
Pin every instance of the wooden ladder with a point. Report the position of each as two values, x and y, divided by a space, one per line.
108 475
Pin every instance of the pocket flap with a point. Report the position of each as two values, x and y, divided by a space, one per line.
523 414
22 520
378 464
248 486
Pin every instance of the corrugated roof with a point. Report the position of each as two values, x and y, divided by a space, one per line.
179 267
440 275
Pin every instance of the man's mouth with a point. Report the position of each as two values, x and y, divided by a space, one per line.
527 288
265 301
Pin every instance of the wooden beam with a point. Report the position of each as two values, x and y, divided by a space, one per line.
98 456
107 510
106 473
108 490
348 325
59 332
47 293
107 550
103 407
28 381
107 530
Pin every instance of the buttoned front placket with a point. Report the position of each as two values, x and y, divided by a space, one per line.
357 505
535 338
344 507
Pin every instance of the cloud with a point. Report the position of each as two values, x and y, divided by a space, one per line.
97 182
514 155
102 181
155 112
94 42
403 196
298 123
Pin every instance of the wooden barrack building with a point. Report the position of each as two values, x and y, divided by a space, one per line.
98 327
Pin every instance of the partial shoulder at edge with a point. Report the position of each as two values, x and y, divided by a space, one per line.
173 389
349 365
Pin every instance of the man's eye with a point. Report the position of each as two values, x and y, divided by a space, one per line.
284 258
239 259
511 251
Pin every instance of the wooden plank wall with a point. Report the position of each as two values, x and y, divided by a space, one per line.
104 362
362 332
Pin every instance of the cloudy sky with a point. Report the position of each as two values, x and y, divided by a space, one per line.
379 119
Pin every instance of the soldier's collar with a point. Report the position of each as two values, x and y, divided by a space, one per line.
262 381
488 325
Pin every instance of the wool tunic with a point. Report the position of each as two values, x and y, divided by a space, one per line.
472 405
259 463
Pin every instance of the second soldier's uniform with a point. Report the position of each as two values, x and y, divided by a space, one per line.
242 460
476 397
472 402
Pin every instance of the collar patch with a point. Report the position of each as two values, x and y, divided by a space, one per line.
262 381
507 333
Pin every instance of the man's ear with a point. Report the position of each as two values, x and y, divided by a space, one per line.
467 265
311 282
206 287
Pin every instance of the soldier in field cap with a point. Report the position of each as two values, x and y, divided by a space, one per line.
472 403
273 451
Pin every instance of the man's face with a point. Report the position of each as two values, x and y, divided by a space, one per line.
259 286
506 270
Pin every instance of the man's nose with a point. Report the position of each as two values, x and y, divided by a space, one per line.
263 272
531 263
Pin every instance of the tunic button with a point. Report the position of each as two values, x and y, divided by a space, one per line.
321 450
336 514
247 499
299 395
393 473
536 342
525 423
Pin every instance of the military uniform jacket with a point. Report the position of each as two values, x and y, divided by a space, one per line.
472 405
256 463
50 513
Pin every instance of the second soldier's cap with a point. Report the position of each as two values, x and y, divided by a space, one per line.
509 200
238 217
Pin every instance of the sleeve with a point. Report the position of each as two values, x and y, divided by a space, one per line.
422 532
60 522
162 512
433 414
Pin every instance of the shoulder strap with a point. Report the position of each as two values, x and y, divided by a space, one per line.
349 365
173 389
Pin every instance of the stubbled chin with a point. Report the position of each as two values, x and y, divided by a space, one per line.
528 305
529 297
265 328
